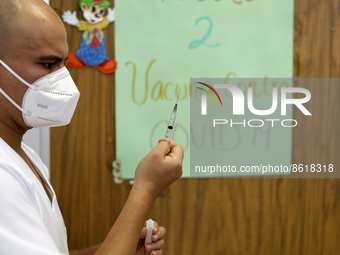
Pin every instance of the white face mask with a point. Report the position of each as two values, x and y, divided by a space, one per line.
50 101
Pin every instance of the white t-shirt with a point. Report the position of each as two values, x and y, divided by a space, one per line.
29 222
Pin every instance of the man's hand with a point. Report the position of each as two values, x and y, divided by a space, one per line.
158 169
155 172
155 247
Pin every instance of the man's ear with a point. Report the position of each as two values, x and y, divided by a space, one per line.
83 7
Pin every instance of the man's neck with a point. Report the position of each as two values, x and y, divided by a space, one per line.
12 135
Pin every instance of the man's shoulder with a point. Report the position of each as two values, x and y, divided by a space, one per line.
12 169
7 156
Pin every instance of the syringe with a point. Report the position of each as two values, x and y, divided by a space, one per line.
171 123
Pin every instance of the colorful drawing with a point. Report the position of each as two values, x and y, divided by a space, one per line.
92 50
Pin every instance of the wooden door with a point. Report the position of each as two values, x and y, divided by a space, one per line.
209 216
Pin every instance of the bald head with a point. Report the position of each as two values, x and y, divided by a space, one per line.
8 14
33 44
22 16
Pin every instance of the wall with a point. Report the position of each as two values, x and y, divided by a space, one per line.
209 216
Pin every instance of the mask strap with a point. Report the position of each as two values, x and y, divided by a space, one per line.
20 79
15 74
12 101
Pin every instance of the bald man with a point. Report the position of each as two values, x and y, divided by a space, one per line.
36 90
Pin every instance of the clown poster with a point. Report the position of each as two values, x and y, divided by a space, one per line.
97 16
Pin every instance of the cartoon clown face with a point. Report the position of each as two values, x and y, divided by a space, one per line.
93 13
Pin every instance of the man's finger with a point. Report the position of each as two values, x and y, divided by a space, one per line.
163 147
143 233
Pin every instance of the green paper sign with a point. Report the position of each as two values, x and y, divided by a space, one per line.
161 44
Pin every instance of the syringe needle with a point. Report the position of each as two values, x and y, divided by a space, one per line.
179 92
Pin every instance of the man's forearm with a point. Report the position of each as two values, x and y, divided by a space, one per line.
124 235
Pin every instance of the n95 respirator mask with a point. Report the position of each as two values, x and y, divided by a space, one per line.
50 101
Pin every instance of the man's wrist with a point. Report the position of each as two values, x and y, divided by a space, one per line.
143 193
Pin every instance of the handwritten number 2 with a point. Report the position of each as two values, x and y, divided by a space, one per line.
198 43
